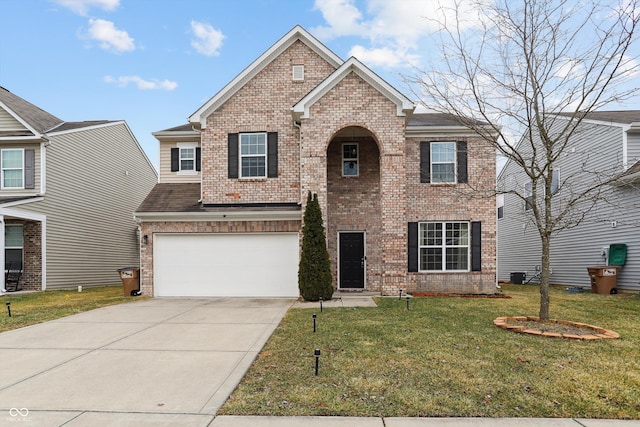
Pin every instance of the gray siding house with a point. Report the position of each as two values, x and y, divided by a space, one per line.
67 195
607 145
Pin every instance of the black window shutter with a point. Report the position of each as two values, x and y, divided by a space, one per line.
198 160
232 140
29 169
476 246
461 148
425 162
272 154
175 159
412 246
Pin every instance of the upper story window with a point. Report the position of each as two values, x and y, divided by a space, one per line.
188 159
443 162
500 205
443 246
350 153
528 196
12 168
555 181
185 158
253 155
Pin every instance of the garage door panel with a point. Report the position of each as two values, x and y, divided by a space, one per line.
226 264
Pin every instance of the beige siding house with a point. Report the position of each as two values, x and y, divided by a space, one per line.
67 195
396 187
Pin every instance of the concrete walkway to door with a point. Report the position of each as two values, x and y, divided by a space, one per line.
163 361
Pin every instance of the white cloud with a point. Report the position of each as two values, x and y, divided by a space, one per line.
81 7
153 84
394 28
208 40
383 57
109 37
342 16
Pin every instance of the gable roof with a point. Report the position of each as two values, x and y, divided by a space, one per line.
35 119
297 33
352 65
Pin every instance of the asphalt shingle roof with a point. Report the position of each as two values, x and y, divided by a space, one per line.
36 117
623 116
172 197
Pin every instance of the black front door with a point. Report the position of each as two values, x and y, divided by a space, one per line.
352 260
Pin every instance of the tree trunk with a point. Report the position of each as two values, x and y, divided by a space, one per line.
544 278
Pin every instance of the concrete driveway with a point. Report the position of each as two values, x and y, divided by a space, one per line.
150 362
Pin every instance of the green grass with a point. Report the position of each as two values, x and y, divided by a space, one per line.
37 307
444 357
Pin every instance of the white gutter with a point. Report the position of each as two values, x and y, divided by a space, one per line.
218 216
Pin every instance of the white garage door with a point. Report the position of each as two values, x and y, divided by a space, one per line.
226 264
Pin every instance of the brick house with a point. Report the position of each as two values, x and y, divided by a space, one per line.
398 190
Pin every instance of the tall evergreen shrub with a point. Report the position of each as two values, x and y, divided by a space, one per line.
314 272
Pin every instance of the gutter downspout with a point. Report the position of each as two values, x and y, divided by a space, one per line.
299 126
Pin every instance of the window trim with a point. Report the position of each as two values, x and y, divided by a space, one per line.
242 156
355 159
433 162
3 169
444 247
21 247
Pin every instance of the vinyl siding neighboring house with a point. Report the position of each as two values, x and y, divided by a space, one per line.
606 144
78 220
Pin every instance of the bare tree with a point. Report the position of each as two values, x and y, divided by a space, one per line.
535 69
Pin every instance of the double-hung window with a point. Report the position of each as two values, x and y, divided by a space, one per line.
188 159
443 246
350 159
253 155
443 162
13 246
12 168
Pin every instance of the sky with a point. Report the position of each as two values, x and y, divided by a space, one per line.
153 63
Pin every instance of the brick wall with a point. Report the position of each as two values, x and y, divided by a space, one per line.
32 272
474 201
354 204
355 103
263 104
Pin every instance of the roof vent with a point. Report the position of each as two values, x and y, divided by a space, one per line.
298 73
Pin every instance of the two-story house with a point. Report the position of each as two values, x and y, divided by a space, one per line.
67 194
394 186
605 147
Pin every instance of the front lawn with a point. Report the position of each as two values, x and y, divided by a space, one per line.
444 357
37 307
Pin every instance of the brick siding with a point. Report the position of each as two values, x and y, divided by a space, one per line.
380 201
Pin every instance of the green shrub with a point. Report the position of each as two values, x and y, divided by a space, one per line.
314 272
